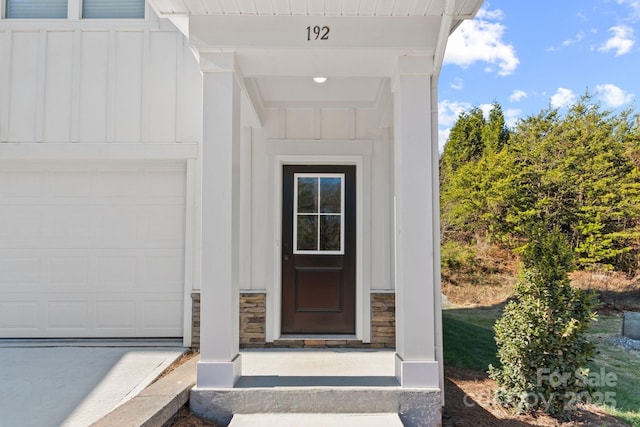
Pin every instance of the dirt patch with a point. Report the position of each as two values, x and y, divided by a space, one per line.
184 418
469 402
188 355
488 280
616 291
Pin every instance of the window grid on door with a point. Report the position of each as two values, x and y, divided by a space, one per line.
318 223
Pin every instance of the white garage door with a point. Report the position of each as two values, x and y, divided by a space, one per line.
92 249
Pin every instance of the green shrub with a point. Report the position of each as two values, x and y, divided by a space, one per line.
540 336
456 257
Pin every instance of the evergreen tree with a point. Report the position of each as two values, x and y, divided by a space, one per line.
541 341
465 142
495 133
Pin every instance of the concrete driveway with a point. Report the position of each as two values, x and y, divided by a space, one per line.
73 385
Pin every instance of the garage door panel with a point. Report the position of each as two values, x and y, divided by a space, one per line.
162 272
116 272
17 272
68 315
19 316
121 185
68 224
70 184
168 184
115 314
162 314
21 184
68 273
95 251
161 224
20 225
117 226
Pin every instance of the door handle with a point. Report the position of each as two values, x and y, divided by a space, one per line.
285 255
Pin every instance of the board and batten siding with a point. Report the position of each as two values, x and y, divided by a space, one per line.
79 81
99 122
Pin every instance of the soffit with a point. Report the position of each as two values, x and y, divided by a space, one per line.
463 9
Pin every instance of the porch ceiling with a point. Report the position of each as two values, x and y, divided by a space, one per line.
279 45
303 91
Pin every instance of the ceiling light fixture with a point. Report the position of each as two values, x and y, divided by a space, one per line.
319 80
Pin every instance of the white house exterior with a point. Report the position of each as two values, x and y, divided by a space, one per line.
151 152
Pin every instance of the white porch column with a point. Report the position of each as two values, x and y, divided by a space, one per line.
415 260
220 361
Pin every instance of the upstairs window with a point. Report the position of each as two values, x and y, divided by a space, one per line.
113 9
36 9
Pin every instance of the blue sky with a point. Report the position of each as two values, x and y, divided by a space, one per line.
529 55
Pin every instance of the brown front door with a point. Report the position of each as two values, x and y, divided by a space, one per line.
318 249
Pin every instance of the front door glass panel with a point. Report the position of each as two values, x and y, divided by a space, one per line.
318 226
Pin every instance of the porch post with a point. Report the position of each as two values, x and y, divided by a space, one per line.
415 258
220 361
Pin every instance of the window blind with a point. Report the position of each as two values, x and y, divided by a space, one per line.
37 9
113 9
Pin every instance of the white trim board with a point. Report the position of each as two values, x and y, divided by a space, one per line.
97 151
319 152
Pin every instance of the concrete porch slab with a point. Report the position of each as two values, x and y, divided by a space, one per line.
336 382
316 420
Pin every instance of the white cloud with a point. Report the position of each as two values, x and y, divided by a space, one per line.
612 96
568 42
448 113
574 40
511 116
486 110
563 98
635 9
517 95
621 42
481 39
457 84
443 136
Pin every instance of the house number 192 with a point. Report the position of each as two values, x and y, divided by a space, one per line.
317 33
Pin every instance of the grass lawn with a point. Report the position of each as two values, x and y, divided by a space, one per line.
468 342
617 369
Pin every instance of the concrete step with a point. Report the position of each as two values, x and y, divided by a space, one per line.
316 420
339 383
416 407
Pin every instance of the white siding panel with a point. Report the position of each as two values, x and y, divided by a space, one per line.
300 123
191 111
5 65
23 93
92 122
128 96
162 87
58 86
338 123
98 85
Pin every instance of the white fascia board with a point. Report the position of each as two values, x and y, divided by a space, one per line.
390 32
98 151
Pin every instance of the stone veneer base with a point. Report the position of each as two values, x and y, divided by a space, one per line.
252 325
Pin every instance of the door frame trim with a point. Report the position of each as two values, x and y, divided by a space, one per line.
323 152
